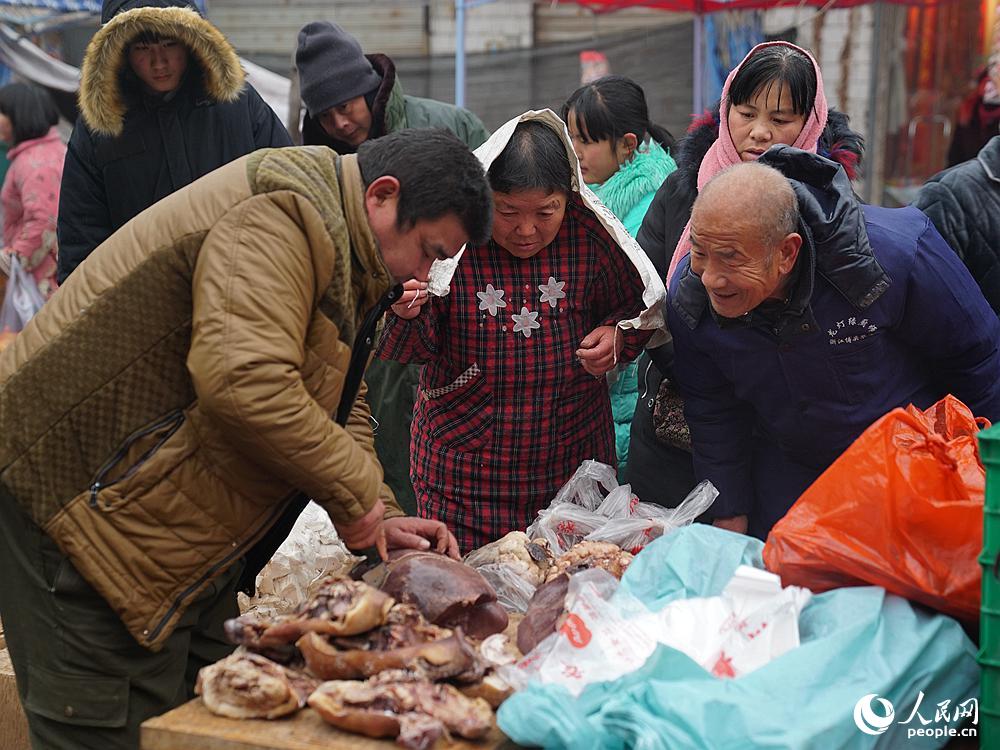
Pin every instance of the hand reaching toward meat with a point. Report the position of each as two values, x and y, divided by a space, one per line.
367 531
599 350
409 532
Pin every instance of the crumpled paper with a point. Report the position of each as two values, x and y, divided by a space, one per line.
311 553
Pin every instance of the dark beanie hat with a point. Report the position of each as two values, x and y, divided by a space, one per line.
111 8
332 67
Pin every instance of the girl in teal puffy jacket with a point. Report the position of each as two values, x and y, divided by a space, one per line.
624 158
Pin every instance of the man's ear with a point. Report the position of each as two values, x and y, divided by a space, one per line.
383 190
788 252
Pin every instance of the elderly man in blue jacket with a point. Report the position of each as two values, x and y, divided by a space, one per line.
801 316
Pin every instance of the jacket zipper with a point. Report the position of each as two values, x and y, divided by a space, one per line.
176 416
237 551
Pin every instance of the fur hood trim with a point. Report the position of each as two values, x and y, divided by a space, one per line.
103 103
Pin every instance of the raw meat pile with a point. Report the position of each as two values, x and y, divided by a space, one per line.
351 631
415 660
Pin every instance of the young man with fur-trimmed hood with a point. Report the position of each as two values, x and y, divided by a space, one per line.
163 100
187 385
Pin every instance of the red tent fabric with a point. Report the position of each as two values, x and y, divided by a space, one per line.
710 6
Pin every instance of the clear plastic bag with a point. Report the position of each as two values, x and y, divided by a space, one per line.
620 518
21 301
513 590
563 525
584 487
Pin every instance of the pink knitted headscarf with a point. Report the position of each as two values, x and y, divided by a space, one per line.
723 154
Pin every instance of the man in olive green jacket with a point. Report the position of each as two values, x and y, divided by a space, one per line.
350 98
194 377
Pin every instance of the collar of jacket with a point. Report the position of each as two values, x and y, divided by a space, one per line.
989 157
833 231
635 179
371 275
103 100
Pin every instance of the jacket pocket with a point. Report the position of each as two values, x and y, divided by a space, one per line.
461 413
138 464
86 700
859 367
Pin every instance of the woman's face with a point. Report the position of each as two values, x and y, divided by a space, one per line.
767 119
160 65
526 221
6 129
599 160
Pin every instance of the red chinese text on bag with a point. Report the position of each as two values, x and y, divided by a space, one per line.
902 508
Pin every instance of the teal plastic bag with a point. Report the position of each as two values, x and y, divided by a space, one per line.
855 643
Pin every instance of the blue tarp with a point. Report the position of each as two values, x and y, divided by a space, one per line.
855 643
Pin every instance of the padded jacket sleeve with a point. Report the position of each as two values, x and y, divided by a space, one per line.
252 307
268 132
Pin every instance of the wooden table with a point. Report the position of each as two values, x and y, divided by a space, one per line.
193 727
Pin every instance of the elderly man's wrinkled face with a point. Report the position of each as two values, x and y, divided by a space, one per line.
738 268
526 221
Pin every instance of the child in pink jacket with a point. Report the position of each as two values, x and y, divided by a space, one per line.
30 193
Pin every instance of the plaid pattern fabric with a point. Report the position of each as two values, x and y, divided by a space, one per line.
506 413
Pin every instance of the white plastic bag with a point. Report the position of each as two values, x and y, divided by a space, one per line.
598 640
607 632
21 300
754 621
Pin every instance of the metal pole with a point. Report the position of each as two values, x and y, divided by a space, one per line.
699 58
460 53
873 178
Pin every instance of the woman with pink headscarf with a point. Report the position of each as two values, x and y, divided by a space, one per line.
774 96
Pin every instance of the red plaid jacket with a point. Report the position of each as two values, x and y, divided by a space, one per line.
505 413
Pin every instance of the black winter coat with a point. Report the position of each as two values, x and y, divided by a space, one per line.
964 204
128 150
659 473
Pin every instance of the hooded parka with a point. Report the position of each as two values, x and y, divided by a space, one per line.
159 412
129 149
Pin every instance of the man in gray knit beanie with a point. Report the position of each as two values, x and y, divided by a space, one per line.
351 97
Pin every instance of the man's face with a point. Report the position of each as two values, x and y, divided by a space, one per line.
737 267
526 221
159 65
350 122
408 252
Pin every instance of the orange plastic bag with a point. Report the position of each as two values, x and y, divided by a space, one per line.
902 508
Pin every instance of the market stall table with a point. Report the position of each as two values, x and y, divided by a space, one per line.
193 727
